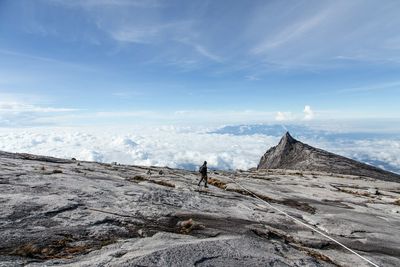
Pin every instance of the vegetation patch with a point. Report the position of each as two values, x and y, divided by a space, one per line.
217 183
28 250
60 249
185 227
240 191
56 250
356 193
319 256
164 183
139 178
136 178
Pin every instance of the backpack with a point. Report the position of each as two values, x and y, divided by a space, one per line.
201 169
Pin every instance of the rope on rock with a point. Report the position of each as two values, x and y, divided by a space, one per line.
304 224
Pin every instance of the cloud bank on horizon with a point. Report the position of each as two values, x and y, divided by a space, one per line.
82 62
233 147
163 146
17 114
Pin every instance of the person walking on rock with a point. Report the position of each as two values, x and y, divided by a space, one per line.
203 172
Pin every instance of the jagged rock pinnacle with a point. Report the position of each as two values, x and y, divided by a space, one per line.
295 155
287 139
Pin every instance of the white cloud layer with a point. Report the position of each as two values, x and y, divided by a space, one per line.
382 153
182 147
168 146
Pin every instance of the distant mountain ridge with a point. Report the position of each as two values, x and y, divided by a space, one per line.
293 154
301 130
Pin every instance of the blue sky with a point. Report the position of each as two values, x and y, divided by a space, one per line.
110 61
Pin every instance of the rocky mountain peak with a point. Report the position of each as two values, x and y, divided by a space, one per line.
295 155
287 140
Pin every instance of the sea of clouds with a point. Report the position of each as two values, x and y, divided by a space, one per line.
232 147
159 146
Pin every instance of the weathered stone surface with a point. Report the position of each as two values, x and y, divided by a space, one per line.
70 213
295 155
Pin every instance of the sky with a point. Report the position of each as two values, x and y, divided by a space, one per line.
93 62
174 83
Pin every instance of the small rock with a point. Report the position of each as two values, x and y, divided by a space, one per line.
119 254
141 233
374 191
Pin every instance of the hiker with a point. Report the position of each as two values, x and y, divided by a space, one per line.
203 172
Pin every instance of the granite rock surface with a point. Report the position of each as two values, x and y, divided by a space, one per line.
58 212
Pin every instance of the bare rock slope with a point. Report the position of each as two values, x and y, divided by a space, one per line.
295 155
57 212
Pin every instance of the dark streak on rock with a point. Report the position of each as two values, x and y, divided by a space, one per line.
203 259
64 209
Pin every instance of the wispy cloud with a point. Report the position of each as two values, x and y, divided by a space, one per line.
49 60
157 117
252 77
374 87
108 3
189 117
114 114
127 94
140 34
290 34
15 107
164 33
172 51
312 34
19 110
206 53
199 48
305 35
20 114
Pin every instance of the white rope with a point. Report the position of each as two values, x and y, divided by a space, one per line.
305 224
